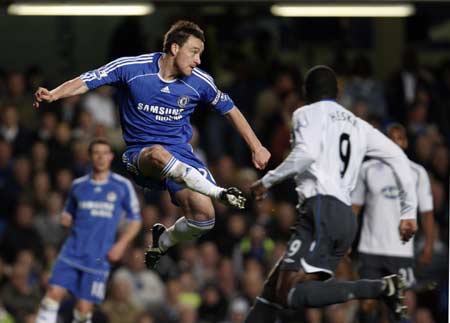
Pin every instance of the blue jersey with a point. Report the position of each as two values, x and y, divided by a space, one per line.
96 209
153 110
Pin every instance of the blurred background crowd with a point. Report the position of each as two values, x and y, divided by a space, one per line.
216 278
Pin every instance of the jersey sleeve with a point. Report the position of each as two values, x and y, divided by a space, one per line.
130 203
211 95
424 196
109 74
380 147
358 195
305 148
71 202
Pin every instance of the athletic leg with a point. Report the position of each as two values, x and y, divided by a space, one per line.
197 220
82 312
48 310
157 162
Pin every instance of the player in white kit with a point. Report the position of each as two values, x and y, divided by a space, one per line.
381 252
328 147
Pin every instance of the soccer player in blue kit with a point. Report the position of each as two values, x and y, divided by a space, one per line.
93 210
157 94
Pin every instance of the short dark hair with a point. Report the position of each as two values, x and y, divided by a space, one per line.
98 141
395 126
179 32
320 84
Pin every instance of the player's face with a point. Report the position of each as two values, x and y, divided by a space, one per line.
188 56
399 137
101 157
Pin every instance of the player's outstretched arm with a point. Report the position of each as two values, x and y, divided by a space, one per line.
70 88
118 249
260 155
381 147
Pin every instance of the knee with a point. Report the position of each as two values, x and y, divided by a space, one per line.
288 280
154 155
55 294
206 214
201 212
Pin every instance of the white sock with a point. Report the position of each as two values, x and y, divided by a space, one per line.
80 318
48 311
191 178
184 229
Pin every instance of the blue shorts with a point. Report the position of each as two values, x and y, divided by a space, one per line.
183 153
86 284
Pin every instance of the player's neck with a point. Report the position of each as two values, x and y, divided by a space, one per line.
167 69
100 176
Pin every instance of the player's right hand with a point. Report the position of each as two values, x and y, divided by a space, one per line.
407 229
260 158
42 94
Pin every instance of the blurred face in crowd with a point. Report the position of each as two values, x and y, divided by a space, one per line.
16 84
41 182
64 179
398 136
187 56
24 215
55 203
48 122
10 116
63 133
39 152
101 157
22 171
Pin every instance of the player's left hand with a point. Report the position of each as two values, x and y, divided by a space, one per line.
116 252
407 229
258 190
260 157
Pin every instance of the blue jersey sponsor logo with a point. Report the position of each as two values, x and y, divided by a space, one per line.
153 110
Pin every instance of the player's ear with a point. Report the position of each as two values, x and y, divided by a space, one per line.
111 156
174 48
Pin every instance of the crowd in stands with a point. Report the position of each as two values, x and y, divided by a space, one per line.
216 278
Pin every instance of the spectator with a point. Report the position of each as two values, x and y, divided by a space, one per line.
21 235
119 307
147 289
13 132
19 297
47 223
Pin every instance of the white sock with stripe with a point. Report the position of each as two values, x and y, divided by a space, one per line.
184 229
48 311
81 318
191 178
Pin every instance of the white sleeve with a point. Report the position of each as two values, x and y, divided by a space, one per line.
305 148
424 196
380 147
358 195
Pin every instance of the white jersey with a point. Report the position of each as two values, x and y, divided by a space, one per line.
328 146
377 189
